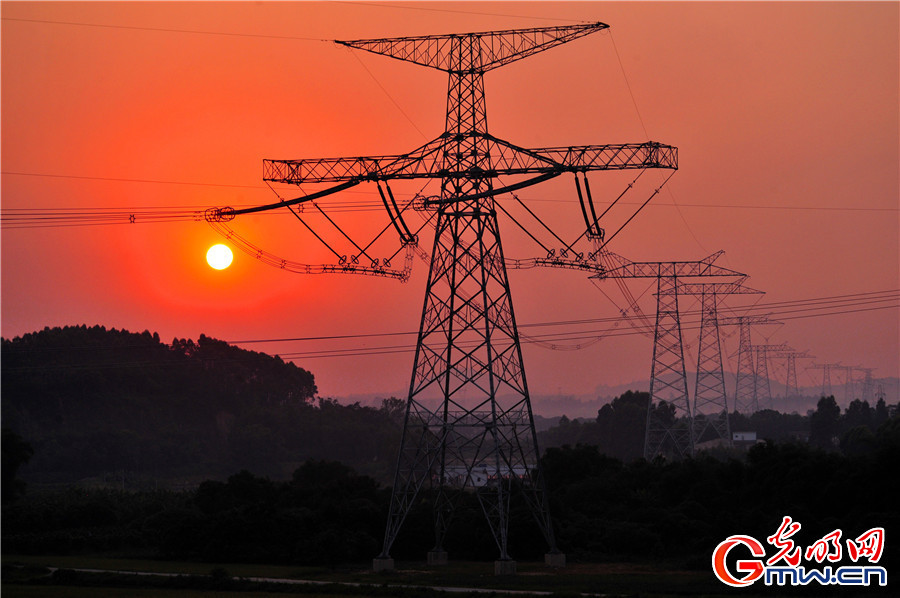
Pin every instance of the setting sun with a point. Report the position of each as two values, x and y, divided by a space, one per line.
219 257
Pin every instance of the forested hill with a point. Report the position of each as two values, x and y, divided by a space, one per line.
94 402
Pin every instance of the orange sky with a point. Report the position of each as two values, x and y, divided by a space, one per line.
785 116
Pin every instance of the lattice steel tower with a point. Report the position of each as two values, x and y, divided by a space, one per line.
868 387
468 358
762 384
669 431
791 387
826 376
849 382
468 421
710 410
745 398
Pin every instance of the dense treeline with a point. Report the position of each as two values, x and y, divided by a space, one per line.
610 510
618 430
93 402
84 401
603 510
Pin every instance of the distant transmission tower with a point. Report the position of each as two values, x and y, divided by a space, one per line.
669 429
710 411
791 387
745 399
826 376
849 386
868 389
762 384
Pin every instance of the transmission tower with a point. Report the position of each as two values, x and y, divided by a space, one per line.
745 383
762 384
849 387
669 430
791 388
468 357
826 376
868 389
710 401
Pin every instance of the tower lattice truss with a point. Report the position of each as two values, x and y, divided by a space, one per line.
710 418
746 399
671 431
468 423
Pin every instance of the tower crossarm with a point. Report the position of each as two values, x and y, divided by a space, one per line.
493 48
770 349
716 288
507 159
701 268
744 320
790 353
627 156
418 163
826 366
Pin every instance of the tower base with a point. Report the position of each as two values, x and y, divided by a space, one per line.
437 557
505 567
382 563
555 559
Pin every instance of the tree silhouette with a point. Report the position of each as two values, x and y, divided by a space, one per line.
823 423
15 453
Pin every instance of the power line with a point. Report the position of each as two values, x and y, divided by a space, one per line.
267 35
464 12
849 304
854 299
388 94
124 180
859 299
892 294
647 136
857 303
95 216
569 337
849 300
164 29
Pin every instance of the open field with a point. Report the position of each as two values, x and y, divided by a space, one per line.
112 577
21 591
410 578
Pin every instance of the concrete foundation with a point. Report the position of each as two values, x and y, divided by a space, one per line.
557 559
437 557
382 563
507 567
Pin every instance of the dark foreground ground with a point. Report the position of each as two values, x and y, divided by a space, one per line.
101 577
